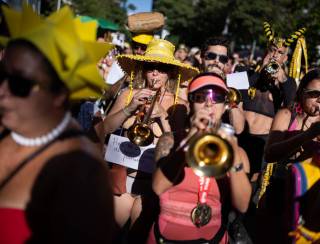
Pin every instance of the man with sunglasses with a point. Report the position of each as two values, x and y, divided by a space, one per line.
215 56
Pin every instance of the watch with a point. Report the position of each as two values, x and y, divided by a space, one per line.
237 167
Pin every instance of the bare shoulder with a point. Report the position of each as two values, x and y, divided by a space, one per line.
281 120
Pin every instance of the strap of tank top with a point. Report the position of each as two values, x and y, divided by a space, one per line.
65 135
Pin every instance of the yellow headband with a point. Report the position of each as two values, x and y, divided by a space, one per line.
67 43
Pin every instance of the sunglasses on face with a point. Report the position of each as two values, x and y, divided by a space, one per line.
18 86
161 68
203 96
310 93
139 46
213 56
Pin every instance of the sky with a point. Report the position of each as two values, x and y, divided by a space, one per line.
141 5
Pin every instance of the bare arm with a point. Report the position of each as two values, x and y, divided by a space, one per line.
116 116
283 143
120 112
239 182
237 119
169 171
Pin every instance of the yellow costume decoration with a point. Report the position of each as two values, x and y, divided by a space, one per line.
142 38
304 236
68 44
158 51
295 66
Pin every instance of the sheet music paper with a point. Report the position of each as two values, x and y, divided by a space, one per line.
238 80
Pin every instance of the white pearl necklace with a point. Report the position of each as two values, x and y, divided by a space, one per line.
41 140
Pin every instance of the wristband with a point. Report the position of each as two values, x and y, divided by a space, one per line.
237 167
126 112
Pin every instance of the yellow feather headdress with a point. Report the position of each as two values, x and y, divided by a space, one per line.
301 48
67 43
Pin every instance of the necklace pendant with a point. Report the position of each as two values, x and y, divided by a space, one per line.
201 215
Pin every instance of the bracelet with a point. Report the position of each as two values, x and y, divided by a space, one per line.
237 167
126 112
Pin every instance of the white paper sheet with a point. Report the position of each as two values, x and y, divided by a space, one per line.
121 151
238 80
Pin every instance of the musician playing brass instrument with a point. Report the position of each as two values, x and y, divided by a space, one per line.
191 206
155 71
270 89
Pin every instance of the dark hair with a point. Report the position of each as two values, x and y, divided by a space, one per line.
215 41
56 86
310 76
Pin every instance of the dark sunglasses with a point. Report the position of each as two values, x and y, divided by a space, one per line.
310 93
212 56
202 96
18 86
161 68
138 45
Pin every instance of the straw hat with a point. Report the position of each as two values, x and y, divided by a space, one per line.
158 51
68 44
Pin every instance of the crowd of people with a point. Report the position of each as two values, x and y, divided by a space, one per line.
150 143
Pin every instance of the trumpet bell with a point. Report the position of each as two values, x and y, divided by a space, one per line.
234 96
272 68
140 134
209 155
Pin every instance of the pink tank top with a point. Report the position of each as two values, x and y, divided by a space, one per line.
293 125
176 205
13 226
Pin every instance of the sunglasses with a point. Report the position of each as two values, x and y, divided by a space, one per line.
213 56
203 96
18 86
138 45
310 93
161 68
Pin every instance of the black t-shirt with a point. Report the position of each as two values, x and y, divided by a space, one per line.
71 201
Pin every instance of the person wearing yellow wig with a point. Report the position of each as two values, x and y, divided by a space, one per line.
54 185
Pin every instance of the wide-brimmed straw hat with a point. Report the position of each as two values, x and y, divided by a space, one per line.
158 51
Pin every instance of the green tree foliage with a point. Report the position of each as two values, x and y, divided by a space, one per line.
112 10
195 20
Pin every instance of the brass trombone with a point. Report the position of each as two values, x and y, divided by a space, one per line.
140 132
210 154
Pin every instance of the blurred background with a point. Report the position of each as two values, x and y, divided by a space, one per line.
192 21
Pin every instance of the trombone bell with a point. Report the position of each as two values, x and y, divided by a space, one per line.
140 134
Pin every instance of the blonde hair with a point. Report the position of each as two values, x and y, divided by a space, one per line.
138 80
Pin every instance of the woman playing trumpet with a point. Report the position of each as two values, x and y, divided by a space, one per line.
181 191
156 70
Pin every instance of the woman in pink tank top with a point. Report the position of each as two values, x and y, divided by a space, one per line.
191 206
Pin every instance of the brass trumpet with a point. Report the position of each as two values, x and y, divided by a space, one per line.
140 132
234 96
270 69
210 154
